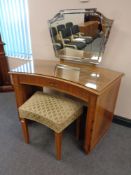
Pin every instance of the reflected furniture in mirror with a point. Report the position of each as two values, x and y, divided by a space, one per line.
5 83
97 87
80 35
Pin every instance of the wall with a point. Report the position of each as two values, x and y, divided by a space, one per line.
117 53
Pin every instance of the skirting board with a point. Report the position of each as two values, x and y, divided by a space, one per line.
122 121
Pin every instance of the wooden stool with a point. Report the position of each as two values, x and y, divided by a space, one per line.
56 112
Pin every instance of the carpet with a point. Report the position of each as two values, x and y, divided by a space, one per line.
112 156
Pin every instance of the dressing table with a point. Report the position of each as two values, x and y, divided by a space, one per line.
98 87
75 72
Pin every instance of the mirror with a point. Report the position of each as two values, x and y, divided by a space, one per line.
80 35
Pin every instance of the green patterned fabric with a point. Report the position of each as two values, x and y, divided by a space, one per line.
54 111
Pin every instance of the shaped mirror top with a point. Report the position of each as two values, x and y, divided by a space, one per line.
80 35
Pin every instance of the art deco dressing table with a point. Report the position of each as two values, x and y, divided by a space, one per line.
75 73
98 87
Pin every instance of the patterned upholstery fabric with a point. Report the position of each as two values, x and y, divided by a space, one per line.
54 111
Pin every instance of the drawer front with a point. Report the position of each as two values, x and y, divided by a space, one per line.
58 84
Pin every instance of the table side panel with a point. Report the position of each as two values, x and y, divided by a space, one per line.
104 111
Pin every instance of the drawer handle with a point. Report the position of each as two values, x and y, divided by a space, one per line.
53 84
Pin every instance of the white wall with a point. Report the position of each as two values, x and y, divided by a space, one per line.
117 54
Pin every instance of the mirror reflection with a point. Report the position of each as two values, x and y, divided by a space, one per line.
67 72
80 34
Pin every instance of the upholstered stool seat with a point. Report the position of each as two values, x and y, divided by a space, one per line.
56 112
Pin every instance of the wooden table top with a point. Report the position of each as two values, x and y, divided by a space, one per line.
91 77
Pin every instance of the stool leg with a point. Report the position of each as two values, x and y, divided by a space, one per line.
78 122
25 130
58 141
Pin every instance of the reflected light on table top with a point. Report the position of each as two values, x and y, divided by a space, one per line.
91 85
67 72
27 67
95 75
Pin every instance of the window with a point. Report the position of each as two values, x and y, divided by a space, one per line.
14 28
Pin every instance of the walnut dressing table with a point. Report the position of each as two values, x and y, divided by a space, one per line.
98 87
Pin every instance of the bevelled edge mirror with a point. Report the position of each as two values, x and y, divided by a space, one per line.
80 35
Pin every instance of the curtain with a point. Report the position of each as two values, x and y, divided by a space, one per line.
14 28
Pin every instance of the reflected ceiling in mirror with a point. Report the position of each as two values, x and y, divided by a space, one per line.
80 34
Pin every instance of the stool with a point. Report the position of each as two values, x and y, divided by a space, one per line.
56 112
